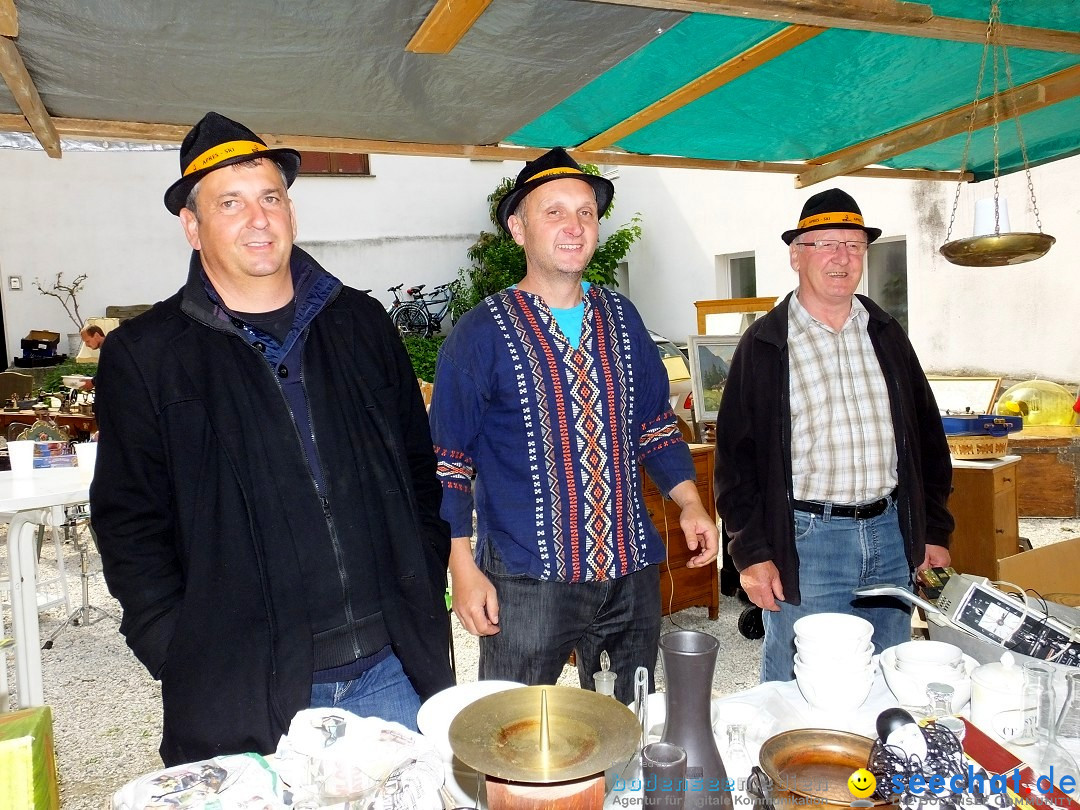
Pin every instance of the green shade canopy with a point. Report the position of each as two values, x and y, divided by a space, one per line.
346 76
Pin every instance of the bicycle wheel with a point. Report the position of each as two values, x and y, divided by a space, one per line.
411 319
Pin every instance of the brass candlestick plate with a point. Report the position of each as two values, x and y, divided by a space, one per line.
544 734
997 250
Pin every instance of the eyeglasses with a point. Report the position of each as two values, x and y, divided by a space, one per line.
832 245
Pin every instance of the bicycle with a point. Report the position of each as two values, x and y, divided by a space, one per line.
416 317
396 307
397 301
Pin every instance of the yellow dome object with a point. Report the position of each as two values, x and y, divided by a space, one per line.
1040 402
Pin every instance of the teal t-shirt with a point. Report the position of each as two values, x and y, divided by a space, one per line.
569 320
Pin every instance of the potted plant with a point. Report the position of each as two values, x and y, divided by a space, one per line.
68 296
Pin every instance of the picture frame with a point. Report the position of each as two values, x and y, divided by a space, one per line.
710 360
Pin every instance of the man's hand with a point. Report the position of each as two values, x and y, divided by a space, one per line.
475 602
936 557
762 585
697 526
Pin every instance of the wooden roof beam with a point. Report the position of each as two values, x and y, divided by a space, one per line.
26 96
881 16
1020 100
445 25
174 133
9 20
779 43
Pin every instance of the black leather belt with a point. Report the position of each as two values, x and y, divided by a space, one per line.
862 511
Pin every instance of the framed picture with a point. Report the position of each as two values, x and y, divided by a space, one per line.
964 394
710 359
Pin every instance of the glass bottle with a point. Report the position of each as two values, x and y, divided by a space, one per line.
1046 756
939 700
1068 725
738 764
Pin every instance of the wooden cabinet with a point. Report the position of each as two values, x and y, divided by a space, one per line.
983 503
1049 475
682 587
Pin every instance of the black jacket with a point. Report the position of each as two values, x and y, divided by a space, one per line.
202 496
753 447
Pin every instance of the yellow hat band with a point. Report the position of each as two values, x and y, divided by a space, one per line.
838 218
556 170
223 151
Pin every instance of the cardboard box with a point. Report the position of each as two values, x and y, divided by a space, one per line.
43 335
1051 569
27 761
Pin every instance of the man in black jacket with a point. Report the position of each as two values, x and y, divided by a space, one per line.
832 469
265 498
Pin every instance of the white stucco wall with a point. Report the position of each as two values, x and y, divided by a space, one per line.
101 213
1013 321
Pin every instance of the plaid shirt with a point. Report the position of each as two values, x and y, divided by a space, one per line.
843 448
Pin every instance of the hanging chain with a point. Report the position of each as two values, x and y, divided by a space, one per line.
971 119
1023 147
995 19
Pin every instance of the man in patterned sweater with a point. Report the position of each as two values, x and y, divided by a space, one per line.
547 396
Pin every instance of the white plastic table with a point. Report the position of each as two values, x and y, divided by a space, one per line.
30 500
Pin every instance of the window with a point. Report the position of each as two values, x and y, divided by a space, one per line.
886 277
736 276
339 163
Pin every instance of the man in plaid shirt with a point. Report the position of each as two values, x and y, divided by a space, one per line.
832 469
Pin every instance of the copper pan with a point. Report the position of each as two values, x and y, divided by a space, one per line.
811 766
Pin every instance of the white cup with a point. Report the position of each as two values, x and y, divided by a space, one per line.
984 216
21 454
86 454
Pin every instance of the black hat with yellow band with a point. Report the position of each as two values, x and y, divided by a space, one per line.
218 141
553 165
829 209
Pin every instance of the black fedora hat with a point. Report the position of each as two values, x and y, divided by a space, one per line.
218 141
552 165
828 209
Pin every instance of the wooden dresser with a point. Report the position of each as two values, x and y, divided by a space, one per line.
983 503
682 587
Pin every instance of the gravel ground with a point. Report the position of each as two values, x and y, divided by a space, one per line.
107 709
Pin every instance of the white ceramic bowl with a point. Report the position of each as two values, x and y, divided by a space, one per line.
74 380
833 692
910 688
816 654
934 653
836 631
438 711
835 666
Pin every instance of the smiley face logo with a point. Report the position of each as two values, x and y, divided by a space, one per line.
861 783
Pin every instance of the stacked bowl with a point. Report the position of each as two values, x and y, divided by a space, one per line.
834 660
910 667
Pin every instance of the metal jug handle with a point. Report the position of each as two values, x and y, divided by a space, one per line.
756 788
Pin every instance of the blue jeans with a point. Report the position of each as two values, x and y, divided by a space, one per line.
541 622
383 691
837 555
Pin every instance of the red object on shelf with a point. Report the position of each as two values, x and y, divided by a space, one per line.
995 759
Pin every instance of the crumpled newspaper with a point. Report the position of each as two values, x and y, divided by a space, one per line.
331 756
235 782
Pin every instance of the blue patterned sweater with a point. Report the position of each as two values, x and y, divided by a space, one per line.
546 438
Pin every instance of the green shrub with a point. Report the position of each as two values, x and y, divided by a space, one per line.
422 352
